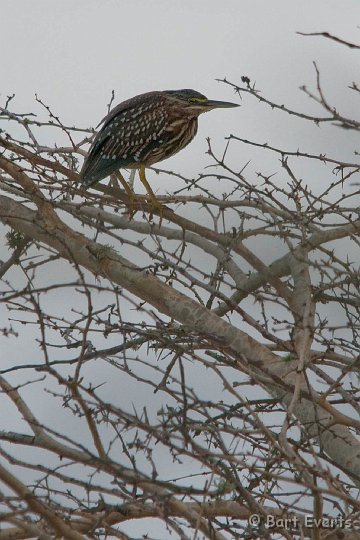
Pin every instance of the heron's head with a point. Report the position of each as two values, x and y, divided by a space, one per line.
196 102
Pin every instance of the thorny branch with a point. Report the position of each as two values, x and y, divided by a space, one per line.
196 371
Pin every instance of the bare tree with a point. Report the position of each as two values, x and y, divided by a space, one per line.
199 390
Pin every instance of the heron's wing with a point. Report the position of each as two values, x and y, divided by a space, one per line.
128 134
134 103
96 164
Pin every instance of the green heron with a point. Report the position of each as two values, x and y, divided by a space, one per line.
145 130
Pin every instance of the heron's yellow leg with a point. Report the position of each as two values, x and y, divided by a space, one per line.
155 203
147 187
132 179
128 190
124 184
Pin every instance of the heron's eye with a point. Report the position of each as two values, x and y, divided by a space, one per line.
198 100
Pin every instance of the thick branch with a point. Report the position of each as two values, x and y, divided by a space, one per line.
273 373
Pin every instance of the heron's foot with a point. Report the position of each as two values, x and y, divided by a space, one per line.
132 200
132 204
156 207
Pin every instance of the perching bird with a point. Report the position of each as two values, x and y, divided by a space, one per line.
145 130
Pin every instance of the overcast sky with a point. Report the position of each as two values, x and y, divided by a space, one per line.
73 53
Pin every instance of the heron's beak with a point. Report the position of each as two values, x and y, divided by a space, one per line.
213 104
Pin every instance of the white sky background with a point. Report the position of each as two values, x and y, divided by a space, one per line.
73 53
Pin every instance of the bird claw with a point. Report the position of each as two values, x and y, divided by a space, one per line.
154 204
131 204
157 207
